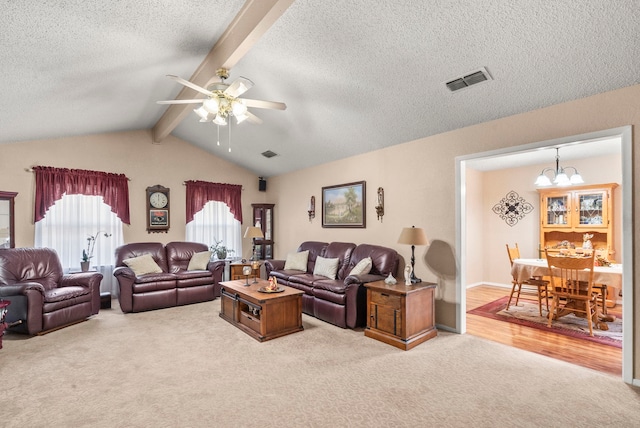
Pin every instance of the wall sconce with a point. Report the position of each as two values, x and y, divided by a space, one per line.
312 208
380 206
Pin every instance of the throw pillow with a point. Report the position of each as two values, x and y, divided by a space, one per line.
142 264
297 261
363 267
199 261
326 267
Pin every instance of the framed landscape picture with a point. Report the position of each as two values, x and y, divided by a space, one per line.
344 205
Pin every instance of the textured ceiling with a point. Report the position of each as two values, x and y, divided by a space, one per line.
355 75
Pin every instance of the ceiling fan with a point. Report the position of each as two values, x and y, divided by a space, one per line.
222 100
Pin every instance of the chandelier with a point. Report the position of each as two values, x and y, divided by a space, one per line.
222 103
560 177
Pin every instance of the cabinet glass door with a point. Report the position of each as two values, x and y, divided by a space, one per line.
591 211
557 210
267 224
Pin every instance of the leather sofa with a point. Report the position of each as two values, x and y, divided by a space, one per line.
41 296
341 301
174 285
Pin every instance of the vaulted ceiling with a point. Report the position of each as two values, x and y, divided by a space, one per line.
355 75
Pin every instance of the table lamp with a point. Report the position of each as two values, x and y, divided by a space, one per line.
253 232
413 236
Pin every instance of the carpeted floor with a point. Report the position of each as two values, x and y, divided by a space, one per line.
528 314
186 367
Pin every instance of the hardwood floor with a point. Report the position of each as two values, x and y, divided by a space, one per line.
576 351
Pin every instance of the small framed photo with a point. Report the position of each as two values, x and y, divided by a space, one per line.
343 205
159 217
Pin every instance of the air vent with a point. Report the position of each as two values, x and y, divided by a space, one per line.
473 78
269 154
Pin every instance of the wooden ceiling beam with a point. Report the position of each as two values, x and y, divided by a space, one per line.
251 23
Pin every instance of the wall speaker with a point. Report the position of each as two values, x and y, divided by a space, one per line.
262 184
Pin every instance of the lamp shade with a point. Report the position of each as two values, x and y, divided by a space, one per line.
413 236
253 232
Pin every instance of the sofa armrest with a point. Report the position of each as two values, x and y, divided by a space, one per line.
124 272
20 288
126 278
270 265
81 279
362 279
90 280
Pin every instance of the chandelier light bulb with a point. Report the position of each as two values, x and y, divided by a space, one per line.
576 179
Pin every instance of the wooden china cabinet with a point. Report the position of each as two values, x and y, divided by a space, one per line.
263 218
566 214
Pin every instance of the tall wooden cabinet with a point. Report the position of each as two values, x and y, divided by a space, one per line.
566 214
263 218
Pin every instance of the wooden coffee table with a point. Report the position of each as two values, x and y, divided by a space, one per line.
263 316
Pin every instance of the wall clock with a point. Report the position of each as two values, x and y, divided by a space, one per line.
158 207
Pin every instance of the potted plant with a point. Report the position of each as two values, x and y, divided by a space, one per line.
220 250
88 253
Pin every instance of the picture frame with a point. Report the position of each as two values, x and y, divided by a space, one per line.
344 205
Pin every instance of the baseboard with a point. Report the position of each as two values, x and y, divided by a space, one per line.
493 284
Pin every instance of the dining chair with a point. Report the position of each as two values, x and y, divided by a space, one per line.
572 287
536 282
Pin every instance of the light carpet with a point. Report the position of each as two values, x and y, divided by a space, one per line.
186 367
527 313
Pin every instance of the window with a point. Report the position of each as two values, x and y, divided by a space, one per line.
214 223
70 222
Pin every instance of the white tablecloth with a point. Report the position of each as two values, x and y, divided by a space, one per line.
523 269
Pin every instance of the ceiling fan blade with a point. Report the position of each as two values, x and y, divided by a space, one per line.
239 87
180 101
253 118
190 85
264 104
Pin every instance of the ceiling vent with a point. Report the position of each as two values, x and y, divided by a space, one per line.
269 154
475 77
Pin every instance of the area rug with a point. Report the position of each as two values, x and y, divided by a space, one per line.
527 314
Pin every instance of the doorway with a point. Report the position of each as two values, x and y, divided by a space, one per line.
464 244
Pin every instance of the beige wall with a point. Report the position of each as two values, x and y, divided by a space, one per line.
419 180
495 233
170 164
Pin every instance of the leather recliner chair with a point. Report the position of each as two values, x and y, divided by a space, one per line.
41 296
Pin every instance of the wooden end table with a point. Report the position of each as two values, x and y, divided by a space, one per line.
401 315
263 316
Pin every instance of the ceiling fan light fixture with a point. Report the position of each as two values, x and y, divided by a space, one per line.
238 108
204 115
219 120
241 118
211 105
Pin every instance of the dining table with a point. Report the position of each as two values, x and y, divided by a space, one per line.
611 276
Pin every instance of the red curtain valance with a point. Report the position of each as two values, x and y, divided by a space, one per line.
52 183
201 192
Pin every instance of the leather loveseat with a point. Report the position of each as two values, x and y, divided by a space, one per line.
172 283
341 301
41 296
